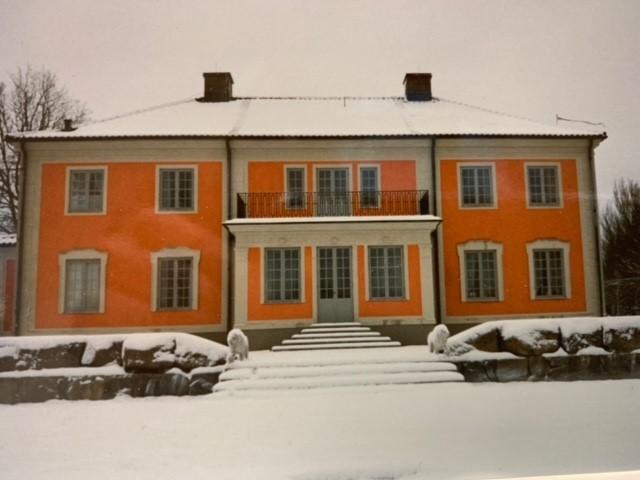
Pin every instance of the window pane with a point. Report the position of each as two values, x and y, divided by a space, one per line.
282 274
544 188
82 286
177 187
86 191
386 272
477 186
175 283
369 187
549 273
295 187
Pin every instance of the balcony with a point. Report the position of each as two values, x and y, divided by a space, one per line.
335 204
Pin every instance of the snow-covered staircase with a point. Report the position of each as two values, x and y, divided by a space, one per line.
339 368
326 336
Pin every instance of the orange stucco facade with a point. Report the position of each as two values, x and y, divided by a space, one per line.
513 224
129 232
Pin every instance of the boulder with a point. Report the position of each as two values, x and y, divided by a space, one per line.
512 370
101 353
63 355
149 356
531 342
8 358
621 339
487 341
573 342
538 367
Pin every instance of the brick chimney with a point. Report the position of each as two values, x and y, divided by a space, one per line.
417 87
218 87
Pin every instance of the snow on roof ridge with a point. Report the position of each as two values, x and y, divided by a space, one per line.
141 110
321 97
504 114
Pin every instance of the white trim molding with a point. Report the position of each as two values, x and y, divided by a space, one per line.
494 185
178 252
67 187
86 254
162 166
481 245
558 167
550 244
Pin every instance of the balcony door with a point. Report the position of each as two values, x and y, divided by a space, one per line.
333 192
335 299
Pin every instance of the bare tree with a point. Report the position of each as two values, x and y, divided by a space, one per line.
621 249
32 100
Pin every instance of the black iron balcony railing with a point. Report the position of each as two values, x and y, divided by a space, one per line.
335 204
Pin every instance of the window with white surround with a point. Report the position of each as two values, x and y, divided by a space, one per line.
175 273
282 274
543 186
295 187
549 269
177 189
481 276
369 187
477 186
86 190
82 281
386 273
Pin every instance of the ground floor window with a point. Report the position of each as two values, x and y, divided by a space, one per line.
282 274
386 273
549 269
82 281
175 279
549 273
481 275
175 283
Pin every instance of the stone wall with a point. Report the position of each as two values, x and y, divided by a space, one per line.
36 369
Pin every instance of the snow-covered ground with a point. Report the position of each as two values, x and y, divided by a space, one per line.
437 431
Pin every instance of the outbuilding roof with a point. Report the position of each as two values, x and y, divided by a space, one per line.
273 117
7 239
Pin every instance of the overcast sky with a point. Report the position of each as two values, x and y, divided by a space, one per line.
579 59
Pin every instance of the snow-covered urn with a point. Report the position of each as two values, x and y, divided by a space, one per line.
437 339
238 345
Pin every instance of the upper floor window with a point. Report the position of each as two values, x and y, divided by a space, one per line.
369 187
282 274
295 187
386 273
477 186
543 183
86 190
549 269
177 189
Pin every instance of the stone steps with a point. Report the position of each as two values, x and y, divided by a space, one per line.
335 372
331 336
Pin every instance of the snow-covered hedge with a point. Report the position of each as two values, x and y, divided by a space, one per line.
547 335
138 352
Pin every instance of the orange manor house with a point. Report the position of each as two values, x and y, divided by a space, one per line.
270 214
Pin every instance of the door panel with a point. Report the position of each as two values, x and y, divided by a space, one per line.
335 303
333 192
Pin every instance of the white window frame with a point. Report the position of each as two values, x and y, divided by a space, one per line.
263 276
86 254
179 252
67 190
405 275
558 168
304 186
193 167
481 245
378 184
550 244
494 186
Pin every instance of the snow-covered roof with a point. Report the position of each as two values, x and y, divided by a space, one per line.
345 219
7 239
257 117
